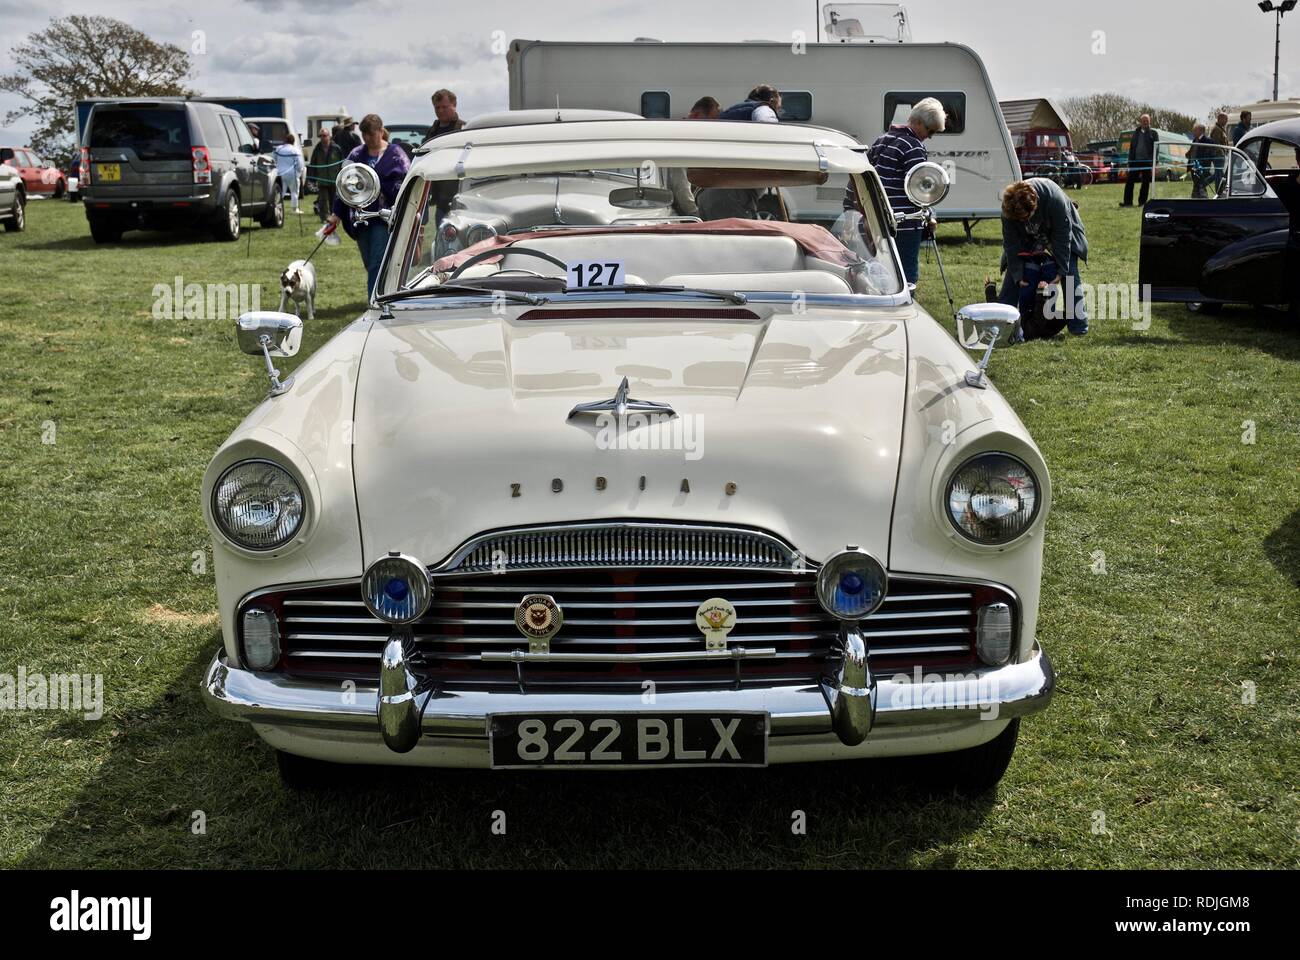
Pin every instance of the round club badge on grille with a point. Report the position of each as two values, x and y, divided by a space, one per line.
716 617
538 617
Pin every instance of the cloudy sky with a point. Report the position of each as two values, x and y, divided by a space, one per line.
387 56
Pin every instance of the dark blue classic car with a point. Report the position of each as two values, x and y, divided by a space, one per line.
1241 245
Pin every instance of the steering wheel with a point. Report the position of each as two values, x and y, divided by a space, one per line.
526 272
499 251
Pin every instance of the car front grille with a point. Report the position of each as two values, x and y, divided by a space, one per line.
628 614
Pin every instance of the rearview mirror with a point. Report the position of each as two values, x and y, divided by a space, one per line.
980 326
640 198
271 334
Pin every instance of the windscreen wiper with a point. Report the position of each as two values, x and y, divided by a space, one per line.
729 295
513 296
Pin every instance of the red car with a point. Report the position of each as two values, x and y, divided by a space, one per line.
40 179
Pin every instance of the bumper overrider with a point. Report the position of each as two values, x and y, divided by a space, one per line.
847 705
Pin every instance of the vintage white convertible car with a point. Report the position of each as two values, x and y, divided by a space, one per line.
634 494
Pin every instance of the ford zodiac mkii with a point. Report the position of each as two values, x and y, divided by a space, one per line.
653 490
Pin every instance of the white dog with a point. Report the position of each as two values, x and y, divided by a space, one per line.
298 283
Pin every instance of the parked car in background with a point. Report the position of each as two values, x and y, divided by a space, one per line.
1171 154
13 199
40 178
408 136
158 165
272 131
1240 246
1103 157
1042 141
479 509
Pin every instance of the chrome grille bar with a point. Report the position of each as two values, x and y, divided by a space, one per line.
640 545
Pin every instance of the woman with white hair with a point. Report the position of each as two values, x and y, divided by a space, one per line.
894 153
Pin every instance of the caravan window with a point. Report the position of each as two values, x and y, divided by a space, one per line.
656 105
796 106
898 106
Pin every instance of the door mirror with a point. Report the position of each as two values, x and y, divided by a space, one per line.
980 326
271 334
283 332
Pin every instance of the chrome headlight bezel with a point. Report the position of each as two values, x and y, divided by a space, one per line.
1024 528
221 518
875 583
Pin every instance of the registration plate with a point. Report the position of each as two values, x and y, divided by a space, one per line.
628 740
109 172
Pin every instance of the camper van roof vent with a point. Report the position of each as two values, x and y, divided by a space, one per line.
647 40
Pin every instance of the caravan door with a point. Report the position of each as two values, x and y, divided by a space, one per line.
1217 235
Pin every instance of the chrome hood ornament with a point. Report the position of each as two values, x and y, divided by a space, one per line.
621 405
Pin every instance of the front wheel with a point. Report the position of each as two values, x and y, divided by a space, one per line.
227 224
60 189
274 215
973 771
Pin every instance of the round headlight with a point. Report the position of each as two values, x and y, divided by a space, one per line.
397 588
479 232
258 505
992 498
851 584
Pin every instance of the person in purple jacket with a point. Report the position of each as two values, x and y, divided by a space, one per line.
391 163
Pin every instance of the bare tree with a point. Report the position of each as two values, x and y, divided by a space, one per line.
79 56
1104 116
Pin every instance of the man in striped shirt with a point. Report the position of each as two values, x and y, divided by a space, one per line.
893 154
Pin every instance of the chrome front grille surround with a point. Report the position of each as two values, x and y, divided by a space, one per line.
629 595
621 545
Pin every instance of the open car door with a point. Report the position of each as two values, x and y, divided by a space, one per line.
1217 234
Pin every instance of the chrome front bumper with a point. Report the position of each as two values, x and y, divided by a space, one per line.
846 707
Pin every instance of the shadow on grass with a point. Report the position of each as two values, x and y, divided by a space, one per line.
146 239
1269 330
173 758
1282 547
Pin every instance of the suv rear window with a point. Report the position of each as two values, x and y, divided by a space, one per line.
153 134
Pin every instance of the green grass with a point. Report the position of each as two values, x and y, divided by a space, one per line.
1143 433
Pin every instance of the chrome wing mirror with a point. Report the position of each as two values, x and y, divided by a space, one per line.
979 327
271 334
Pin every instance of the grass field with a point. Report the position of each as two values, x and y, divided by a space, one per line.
108 417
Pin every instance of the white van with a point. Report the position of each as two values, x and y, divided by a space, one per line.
859 88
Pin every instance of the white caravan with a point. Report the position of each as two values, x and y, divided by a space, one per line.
859 88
